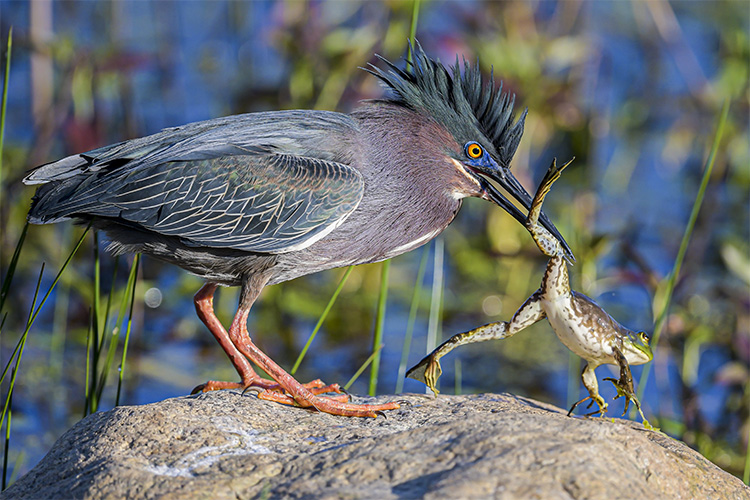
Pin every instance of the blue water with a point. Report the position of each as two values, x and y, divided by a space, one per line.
188 61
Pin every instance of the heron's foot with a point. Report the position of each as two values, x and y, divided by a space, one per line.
290 391
316 386
279 396
427 371
336 404
594 399
218 385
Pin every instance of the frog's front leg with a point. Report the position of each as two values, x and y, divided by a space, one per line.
428 370
589 381
624 386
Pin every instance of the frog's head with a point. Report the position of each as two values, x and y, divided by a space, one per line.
636 348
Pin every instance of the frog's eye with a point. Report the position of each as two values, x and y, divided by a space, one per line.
643 336
474 150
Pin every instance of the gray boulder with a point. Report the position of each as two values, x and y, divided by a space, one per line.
223 445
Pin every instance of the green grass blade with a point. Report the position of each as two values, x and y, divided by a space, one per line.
22 339
33 316
19 351
96 342
363 367
132 284
413 308
60 317
62 270
433 325
413 27
20 458
6 285
379 323
88 385
437 288
115 331
97 293
661 318
459 377
108 307
322 318
13 263
574 378
3 108
7 438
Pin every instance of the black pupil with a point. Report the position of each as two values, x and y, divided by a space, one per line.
475 151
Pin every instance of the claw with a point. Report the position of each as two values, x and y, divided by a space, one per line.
256 390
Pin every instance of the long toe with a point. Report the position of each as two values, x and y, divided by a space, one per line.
335 405
317 386
217 385
280 397
329 405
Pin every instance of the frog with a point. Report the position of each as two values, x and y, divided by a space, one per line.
580 323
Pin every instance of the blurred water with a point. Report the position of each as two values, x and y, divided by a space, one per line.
188 61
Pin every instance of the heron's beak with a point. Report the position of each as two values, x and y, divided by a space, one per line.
510 184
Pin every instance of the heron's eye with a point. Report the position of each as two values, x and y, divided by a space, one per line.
644 337
474 150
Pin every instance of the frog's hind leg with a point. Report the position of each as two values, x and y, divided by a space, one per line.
428 370
589 381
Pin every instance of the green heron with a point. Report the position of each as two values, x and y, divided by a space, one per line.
262 198
580 323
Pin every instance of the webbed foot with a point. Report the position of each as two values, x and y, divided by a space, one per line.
624 389
427 371
594 399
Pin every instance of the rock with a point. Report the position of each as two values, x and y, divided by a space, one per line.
222 445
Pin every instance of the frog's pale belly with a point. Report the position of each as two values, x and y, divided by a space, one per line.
578 332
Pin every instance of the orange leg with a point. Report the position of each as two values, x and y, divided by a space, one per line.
317 386
240 348
204 306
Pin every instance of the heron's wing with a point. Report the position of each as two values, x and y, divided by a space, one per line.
260 203
252 182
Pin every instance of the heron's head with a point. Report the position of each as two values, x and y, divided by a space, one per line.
480 119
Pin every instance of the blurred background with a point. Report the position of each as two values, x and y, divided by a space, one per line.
632 89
